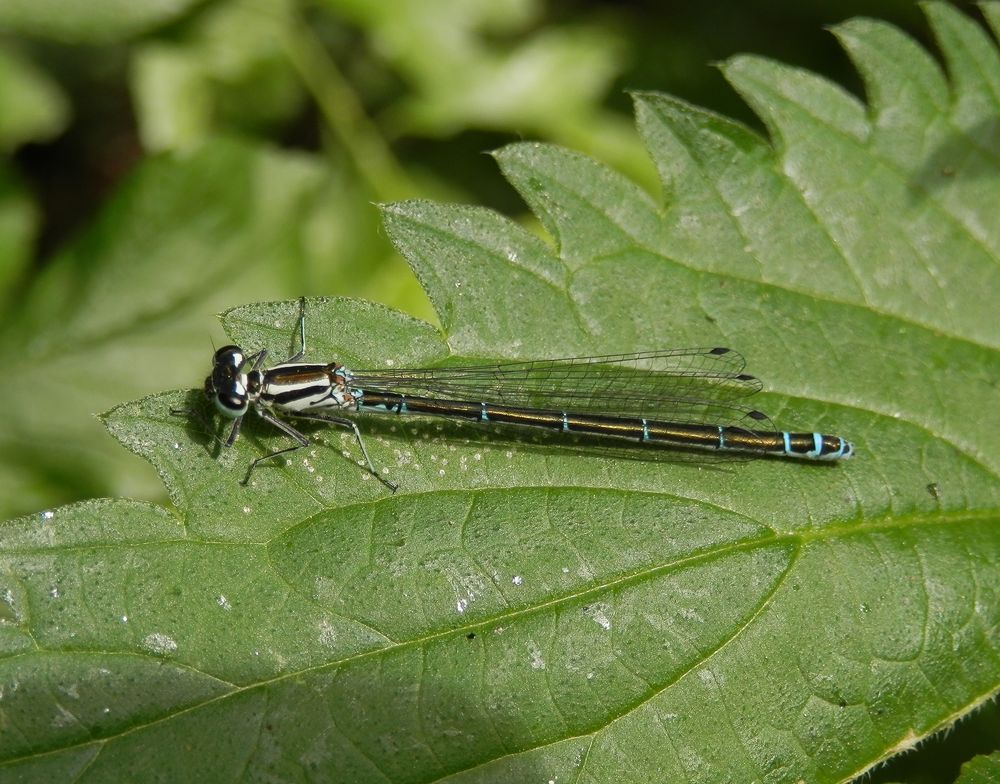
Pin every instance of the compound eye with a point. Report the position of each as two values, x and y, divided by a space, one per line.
229 356
227 390
231 403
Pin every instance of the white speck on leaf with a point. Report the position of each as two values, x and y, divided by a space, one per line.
64 719
158 643
327 634
537 662
597 612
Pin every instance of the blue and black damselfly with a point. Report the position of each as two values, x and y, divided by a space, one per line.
680 398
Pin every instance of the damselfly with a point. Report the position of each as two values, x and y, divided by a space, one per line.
681 398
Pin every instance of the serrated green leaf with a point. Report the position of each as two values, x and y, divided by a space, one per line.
525 610
940 758
981 770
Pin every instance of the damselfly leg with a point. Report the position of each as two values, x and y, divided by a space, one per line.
303 441
238 383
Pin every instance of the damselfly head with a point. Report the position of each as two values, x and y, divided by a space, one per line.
226 387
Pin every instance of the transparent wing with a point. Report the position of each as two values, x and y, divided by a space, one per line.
702 385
